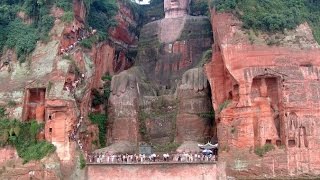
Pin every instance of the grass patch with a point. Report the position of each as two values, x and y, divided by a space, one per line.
101 121
224 105
23 136
12 103
82 161
142 117
67 17
261 151
169 147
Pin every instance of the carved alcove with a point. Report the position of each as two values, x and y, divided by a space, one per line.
34 104
265 94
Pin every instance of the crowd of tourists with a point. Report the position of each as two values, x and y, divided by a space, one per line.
84 34
70 86
107 158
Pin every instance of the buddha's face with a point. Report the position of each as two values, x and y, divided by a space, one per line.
176 5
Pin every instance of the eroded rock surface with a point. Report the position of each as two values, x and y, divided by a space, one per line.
194 104
55 88
149 96
265 95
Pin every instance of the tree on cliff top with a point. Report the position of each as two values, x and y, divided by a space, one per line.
274 15
101 14
19 35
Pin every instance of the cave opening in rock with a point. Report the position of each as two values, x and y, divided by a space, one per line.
212 123
34 109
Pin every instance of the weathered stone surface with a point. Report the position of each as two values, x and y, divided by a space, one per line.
155 171
123 111
272 93
38 87
167 49
194 104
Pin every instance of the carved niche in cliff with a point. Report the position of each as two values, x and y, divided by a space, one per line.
34 104
265 95
297 133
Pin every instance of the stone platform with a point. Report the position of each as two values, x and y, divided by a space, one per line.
156 171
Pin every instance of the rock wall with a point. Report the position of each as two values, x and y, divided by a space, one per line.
55 89
155 171
265 95
144 97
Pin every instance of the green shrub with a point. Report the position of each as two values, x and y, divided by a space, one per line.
35 151
87 43
82 161
261 151
23 136
3 113
101 98
11 103
67 17
66 5
22 37
275 15
106 77
224 105
101 121
199 7
101 14
142 117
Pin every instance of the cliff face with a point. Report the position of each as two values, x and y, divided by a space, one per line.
265 95
149 98
55 89
264 90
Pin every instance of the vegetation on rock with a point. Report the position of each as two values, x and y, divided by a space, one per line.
22 33
101 121
153 11
261 151
101 14
168 147
23 136
199 7
223 105
100 99
82 161
274 15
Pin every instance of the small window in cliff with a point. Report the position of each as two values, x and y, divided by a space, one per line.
230 97
291 143
50 117
268 141
50 130
306 65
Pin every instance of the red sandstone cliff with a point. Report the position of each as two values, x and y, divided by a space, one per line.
56 89
274 99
